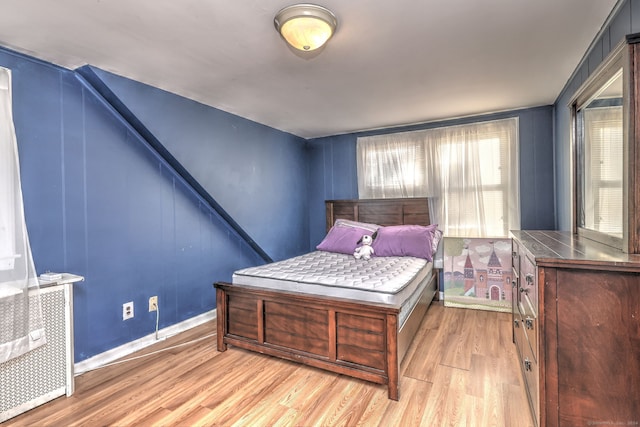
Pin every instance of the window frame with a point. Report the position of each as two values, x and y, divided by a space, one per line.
507 146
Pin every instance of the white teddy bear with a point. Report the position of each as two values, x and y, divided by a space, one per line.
366 250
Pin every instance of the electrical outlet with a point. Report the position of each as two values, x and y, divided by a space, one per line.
153 303
127 310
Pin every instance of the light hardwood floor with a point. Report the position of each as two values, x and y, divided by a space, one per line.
461 370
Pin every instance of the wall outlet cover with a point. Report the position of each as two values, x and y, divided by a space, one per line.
153 303
127 310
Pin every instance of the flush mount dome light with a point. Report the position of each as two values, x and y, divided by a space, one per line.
305 26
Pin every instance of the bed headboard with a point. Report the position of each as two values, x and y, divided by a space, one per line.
380 211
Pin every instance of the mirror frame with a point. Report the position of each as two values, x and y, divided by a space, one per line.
625 55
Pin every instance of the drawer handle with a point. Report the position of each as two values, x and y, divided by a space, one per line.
513 284
528 323
516 324
527 365
529 279
524 291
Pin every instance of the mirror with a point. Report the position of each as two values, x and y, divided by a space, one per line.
600 112
605 138
600 161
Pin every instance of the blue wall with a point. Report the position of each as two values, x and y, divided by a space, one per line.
100 203
625 20
333 168
256 173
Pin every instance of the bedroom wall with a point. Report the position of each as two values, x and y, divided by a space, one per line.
101 204
625 19
333 168
256 173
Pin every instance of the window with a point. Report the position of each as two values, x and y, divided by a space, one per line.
20 306
393 167
469 172
8 174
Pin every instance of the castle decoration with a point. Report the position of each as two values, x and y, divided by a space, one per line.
479 281
497 286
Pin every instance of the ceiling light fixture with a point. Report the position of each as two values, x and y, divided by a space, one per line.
305 26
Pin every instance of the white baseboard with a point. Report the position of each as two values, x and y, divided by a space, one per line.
441 296
131 347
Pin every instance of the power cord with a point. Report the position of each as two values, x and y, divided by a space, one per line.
151 353
156 306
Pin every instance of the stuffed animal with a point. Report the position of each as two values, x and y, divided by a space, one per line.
366 250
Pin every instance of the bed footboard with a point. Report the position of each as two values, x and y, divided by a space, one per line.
350 338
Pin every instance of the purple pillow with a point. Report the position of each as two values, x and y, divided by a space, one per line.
405 240
357 224
343 240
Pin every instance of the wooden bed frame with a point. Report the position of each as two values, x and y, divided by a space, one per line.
358 339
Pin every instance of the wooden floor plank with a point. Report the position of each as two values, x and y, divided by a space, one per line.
377 406
408 411
304 388
428 356
460 370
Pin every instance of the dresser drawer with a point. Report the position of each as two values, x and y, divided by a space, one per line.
520 336
515 285
529 286
530 327
528 305
529 367
528 324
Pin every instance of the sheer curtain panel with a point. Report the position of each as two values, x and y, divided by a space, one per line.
602 190
21 325
469 172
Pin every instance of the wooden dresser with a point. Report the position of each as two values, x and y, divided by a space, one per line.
576 325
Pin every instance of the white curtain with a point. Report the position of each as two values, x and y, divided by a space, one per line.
470 172
603 170
21 325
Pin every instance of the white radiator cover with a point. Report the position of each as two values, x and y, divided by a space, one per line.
46 372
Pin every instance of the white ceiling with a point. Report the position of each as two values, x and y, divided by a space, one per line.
389 63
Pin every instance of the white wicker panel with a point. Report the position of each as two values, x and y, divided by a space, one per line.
39 375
